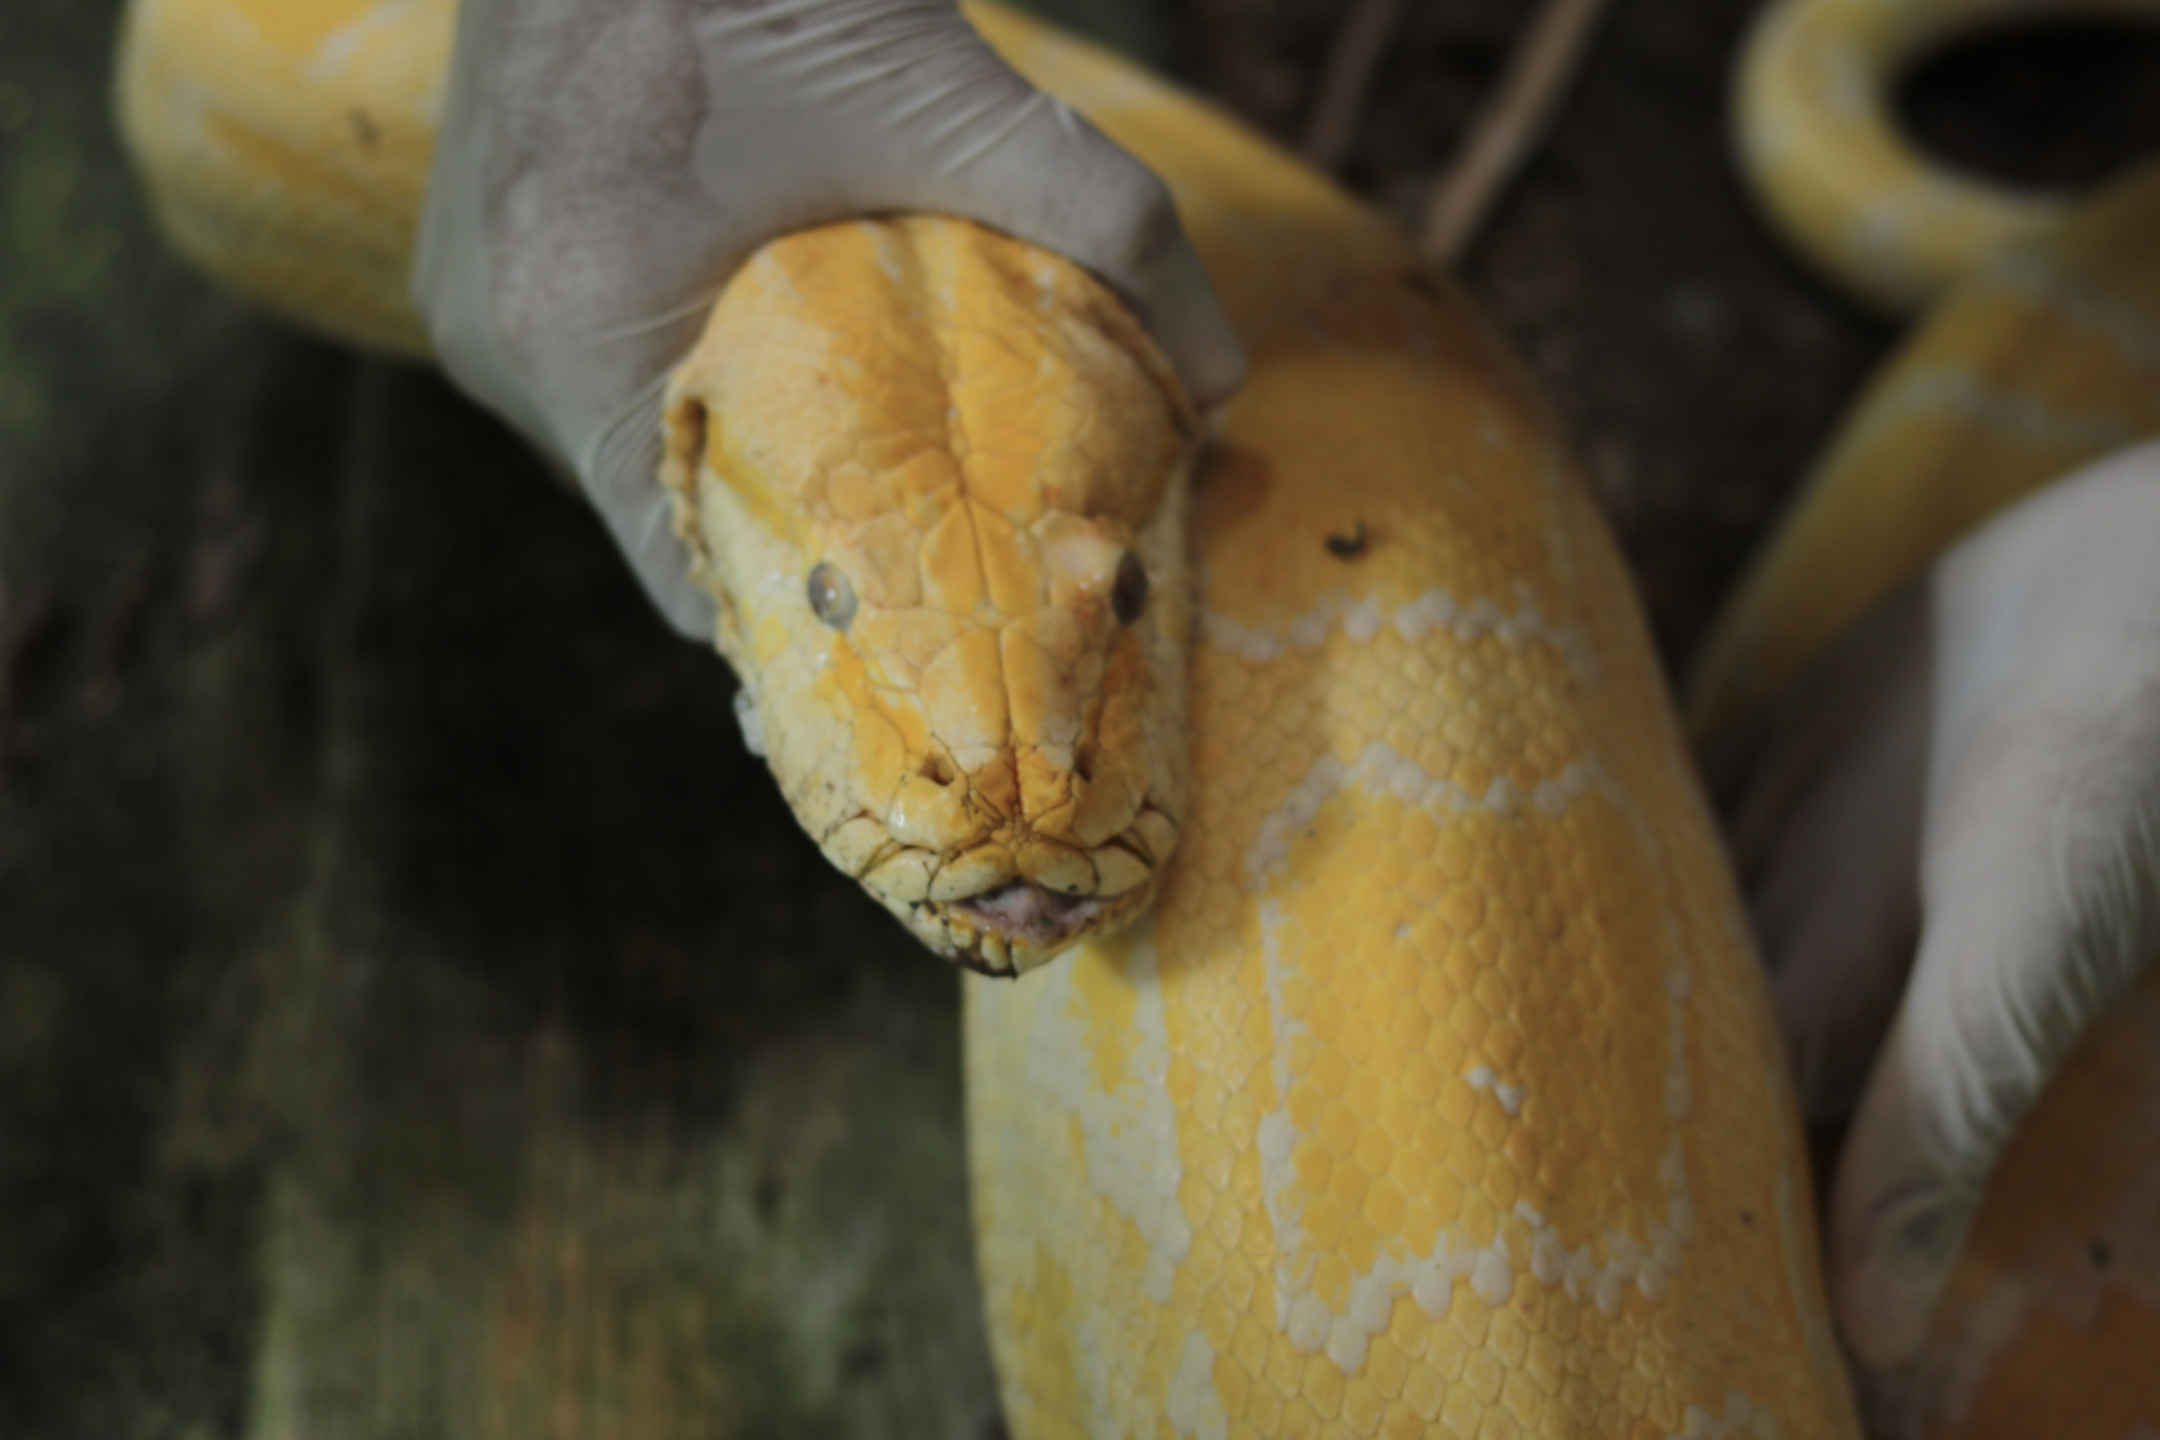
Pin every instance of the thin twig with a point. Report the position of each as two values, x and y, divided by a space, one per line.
1345 79
1508 126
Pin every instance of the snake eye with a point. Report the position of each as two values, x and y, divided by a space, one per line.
1128 593
832 599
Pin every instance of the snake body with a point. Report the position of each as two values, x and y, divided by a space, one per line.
2041 354
1436 1093
1819 144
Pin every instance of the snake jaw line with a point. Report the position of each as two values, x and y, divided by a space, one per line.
958 913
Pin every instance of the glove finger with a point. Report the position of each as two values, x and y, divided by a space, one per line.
2038 888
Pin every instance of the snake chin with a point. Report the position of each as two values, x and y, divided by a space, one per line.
1009 902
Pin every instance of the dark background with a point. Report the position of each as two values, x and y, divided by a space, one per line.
417 1018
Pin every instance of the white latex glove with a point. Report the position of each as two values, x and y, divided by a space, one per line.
1977 767
605 165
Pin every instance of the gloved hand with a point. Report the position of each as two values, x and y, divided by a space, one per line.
605 165
1976 768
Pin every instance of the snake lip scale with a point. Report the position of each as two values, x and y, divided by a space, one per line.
1009 926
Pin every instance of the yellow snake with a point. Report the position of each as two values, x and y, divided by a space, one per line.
2042 354
1436 1092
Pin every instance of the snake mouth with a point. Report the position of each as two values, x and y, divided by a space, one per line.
1011 928
1006 906
1029 914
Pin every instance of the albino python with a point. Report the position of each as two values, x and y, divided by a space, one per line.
1435 1091
2042 354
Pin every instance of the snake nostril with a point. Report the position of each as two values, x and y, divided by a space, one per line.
1129 592
938 770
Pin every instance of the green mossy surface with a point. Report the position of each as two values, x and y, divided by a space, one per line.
418 1017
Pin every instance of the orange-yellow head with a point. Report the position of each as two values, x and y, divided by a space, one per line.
936 479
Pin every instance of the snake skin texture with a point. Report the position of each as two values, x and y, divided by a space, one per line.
1439 1094
2045 356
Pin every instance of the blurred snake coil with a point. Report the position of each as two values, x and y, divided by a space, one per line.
1437 1092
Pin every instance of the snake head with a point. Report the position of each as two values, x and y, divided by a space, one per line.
936 479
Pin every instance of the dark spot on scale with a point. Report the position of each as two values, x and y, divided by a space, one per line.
364 128
1747 1218
767 1197
1352 545
2103 1254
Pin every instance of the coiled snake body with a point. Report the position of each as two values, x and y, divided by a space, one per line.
1436 1093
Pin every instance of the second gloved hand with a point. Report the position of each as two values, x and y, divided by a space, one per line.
1970 784
605 165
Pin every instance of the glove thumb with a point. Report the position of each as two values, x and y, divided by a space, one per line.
2039 912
